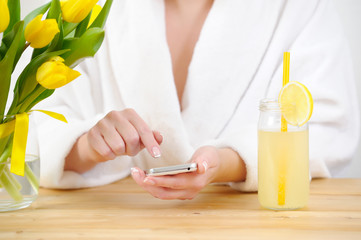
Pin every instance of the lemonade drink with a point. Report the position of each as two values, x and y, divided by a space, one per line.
283 181
283 175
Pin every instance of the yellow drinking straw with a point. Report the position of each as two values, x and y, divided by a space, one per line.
282 166
286 79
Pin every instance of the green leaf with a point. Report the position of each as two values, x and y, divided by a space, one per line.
57 42
99 22
26 82
54 10
38 51
6 42
69 28
82 27
7 63
14 9
85 46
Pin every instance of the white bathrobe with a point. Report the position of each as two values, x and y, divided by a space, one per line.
237 61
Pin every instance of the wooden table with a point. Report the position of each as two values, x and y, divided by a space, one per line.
122 210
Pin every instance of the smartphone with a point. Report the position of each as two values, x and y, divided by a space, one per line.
172 170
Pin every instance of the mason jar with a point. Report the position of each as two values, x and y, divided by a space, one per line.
283 160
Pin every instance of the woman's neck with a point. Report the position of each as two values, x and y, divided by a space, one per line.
189 6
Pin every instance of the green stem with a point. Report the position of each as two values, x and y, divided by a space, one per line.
4 156
5 152
13 105
12 178
10 186
7 180
23 106
27 44
33 180
31 98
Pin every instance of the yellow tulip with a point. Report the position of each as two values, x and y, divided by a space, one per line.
75 11
4 15
40 33
95 12
55 74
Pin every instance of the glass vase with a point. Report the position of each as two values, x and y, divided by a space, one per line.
17 192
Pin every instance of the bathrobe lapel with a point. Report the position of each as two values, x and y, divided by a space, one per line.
142 65
140 57
224 65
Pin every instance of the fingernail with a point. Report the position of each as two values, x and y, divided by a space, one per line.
149 181
135 172
205 165
156 152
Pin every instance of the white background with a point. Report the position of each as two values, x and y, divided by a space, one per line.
350 16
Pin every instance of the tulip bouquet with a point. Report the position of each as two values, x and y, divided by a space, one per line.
62 34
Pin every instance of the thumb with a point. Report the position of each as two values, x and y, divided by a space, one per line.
206 158
202 163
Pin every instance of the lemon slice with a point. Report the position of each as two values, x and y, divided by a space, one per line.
296 103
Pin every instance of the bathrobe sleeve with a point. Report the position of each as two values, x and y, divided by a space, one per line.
324 65
320 59
76 102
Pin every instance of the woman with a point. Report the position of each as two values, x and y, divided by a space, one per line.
183 80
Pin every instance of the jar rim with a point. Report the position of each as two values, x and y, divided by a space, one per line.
28 158
269 104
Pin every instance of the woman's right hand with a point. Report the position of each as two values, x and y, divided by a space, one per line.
118 133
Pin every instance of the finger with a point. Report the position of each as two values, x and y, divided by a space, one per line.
130 136
171 194
159 192
204 161
158 137
112 137
98 144
146 135
138 175
203 165
179 181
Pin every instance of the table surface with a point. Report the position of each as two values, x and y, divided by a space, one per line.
122 210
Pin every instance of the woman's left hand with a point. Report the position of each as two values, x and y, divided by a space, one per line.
184 185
